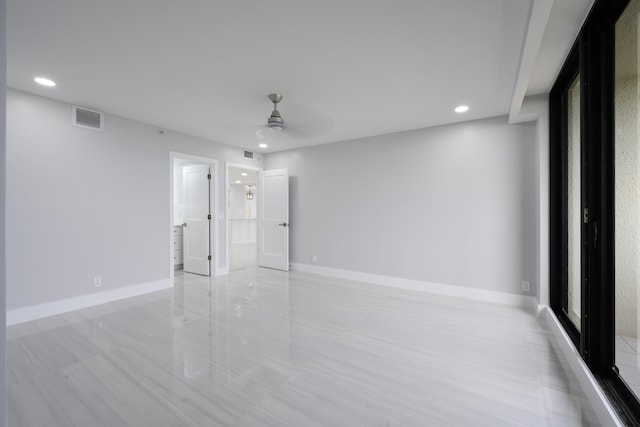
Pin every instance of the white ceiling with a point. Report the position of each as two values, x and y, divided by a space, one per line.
235 174
346 69
564 23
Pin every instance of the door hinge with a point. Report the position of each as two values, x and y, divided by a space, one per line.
209 257
208 176
585 215
209 216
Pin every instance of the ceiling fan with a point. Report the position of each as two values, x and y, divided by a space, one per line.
302 122
275 120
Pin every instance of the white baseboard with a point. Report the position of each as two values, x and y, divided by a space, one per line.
40 311
529 302
596 397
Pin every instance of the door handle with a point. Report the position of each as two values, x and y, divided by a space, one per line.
284 224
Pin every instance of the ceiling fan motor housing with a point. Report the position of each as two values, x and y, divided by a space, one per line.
275 120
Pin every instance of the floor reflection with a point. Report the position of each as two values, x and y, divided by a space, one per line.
265 347
233 329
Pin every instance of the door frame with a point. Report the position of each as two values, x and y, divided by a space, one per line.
227 188
215 217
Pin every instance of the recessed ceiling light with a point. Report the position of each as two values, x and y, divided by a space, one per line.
244 174
238 182
461 109
263 145
45 82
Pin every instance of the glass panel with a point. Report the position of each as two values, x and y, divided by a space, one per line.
627 196
571 304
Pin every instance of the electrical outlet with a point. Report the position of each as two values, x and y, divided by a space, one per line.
314 259
97 282
526 286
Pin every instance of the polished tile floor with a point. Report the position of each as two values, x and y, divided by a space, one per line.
269 348
628 361
242 255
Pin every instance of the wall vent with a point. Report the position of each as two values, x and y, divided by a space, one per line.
86 118
248 154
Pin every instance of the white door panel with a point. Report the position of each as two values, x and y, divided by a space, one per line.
274 220
198 225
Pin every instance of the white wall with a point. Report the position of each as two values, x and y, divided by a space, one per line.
3 79
242 215
82 203
536 109
178 194
239 206
452 205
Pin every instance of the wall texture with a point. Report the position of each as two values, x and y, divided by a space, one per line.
82 203
452 205
627 231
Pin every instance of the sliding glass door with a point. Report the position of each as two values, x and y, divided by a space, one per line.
572 288
568 197
595 200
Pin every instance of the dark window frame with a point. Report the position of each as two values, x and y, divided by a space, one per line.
593 58
558 192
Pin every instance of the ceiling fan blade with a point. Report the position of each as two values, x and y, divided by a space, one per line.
306 122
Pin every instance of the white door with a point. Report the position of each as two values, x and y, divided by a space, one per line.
273 239
197 231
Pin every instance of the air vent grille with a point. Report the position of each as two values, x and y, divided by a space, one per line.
89 119
247 154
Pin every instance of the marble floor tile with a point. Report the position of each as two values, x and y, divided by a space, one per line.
242 255
268 348
628 362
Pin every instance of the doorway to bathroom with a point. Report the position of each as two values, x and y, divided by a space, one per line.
242 216
194 222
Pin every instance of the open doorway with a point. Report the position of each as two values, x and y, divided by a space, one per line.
193 219
242 204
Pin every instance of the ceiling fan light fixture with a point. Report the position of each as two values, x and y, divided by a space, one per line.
275 120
